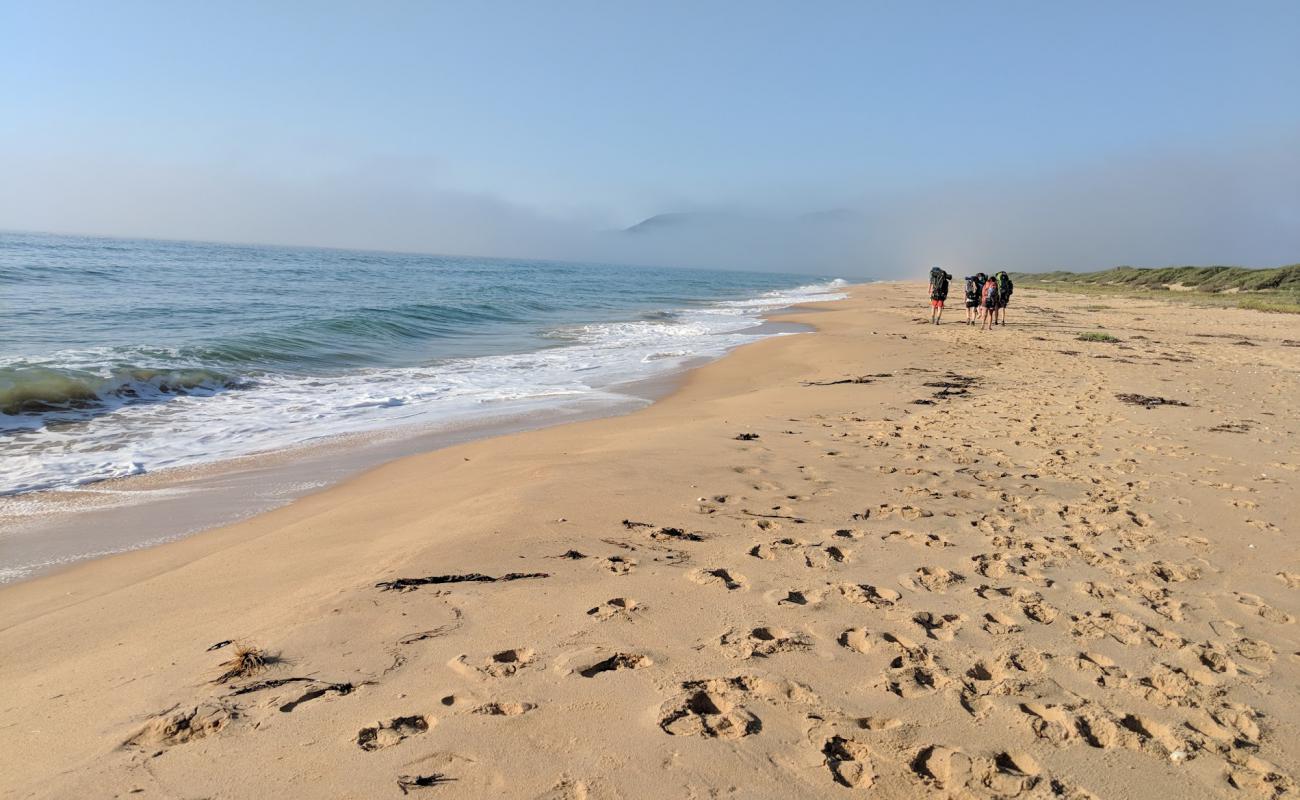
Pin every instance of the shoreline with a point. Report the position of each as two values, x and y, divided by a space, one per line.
885 555
42 531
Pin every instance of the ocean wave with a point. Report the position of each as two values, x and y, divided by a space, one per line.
102 412
364 337
36 390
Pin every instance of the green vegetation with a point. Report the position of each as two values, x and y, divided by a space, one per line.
1276 289
1096 336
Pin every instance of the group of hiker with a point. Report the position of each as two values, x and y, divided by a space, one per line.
986 297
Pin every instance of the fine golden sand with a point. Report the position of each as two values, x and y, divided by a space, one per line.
885 559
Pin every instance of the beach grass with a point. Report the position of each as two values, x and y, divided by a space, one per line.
247 660
1097 336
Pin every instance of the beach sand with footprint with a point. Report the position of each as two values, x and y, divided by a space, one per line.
887 559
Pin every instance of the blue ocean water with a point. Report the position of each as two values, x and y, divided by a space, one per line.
119 357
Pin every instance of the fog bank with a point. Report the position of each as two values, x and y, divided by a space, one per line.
1237 205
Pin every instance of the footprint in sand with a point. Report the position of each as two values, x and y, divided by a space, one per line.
866 594
619 565
934 540
711 505
879 724
1153 736
616 662
710 714
1052 723
913 673
995 565
1214 656
762 642
1263 609
502 664
181 725
849 762
940 626
1254 650
935 579
621 607
1169 685
1006 775
716 707
1001 675
1032 604
778 548
856 639
1091 661
717 576
387 734
1097 589
838 555
797 597
887 510
1174 573
503 709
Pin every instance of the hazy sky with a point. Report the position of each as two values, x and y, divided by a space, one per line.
1030 134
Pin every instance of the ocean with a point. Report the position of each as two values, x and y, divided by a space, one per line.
125 357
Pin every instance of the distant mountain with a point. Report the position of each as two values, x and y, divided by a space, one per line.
687 220
678 220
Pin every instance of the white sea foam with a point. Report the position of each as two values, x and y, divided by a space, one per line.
588 366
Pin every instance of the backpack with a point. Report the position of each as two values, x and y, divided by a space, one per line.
972 288
1005 287
938 284
991 294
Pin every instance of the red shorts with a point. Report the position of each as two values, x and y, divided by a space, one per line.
936 304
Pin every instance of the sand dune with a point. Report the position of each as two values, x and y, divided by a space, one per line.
886 559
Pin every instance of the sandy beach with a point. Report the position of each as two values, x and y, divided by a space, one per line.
884 559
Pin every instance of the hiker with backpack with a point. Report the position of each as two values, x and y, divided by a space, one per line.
938 292
974 285
1005 287
989 299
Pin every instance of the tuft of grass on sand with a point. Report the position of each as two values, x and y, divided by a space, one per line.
246 661
1096 336
1278 306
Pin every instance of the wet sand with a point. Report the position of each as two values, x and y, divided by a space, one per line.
887 558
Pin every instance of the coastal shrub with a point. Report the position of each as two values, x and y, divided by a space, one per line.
1274 289
1097 336
1202 279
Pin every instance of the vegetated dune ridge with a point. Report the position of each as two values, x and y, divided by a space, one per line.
1276 289
887 559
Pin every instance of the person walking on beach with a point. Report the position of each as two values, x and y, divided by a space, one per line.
1005 287
989 297
938 293
974 285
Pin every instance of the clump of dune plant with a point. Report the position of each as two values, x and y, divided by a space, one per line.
1096 336
246 660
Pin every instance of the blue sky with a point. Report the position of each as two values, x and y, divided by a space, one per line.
596 114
